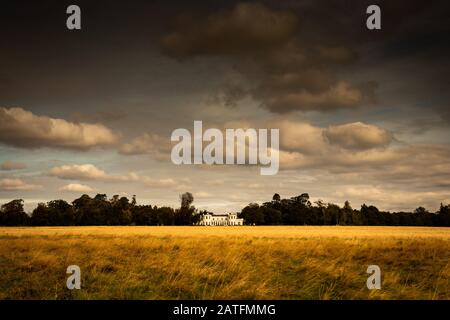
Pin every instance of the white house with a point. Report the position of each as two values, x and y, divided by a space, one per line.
210 219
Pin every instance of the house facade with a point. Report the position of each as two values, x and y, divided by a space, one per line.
229 219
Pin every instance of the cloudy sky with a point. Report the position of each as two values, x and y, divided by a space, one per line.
363 115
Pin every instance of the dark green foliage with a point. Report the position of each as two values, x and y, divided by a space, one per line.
253 214
298 210
12 214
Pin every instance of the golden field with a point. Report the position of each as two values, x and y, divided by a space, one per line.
279 262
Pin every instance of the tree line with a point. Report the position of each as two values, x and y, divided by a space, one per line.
298 210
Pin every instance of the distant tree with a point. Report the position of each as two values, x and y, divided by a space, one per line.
357 218
320 203
420 210
302 199
276 197
186 199
370 215
54 213
81 202
331 214
165 216
114 198
422 217
100 197
443 216
84 210
299 209
347 206
185 215
347 213
271 216
121 211
12 214
60 213
405 219
296 210
40 215
252 214
144 216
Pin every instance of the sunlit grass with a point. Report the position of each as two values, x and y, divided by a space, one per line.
225 262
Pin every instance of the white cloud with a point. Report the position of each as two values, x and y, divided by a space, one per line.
76 187
300 136
358 136
79 172
343 147
14 184
89 172
21 128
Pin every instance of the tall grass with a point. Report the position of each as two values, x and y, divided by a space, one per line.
225 262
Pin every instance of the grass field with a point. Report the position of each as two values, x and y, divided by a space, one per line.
225 262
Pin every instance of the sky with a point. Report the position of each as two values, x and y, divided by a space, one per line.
363 114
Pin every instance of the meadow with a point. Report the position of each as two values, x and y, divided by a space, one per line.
273 262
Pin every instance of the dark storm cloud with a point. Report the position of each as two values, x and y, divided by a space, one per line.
246 28
100 116
302 49
47 66
295 75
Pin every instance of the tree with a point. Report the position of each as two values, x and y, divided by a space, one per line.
357 218
54 213
347 212
40 215
302 199
420 210
12 214
165 216
297 210
271 216
443 216
370 215
186 199
276 197
101 197
185 215
422 217
252 214
144 215
84 210
331 214
60 213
